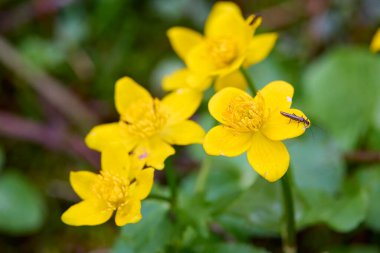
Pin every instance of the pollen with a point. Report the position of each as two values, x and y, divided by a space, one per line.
223 51
245 114
144 119
112 190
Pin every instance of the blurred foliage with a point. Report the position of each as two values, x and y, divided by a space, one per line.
22 208
322 51
349 75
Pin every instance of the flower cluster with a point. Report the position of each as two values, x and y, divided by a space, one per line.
131 149
142 138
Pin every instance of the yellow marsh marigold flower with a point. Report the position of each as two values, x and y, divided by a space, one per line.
229 42
149 126
375 44
120 186
255 125
184 78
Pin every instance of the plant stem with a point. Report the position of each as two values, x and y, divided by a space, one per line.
289 240
203 174
172 181
251 83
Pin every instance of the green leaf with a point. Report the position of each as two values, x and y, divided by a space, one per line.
342 213
341 89
22 208
257 211
224 247
151 234
227 179
346 213
195 211
316 163
369 178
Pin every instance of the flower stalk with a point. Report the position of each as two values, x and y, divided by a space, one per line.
203 174
289 238
251 83
172 182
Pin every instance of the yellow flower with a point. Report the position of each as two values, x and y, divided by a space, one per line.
185 78
375 44
120 186
149 126
229 42
256 125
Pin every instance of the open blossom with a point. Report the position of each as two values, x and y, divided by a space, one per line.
256 126
375 44
119 187
149 126
228 43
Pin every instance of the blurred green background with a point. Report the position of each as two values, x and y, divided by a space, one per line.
59 60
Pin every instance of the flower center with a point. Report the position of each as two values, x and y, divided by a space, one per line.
245 114
145 119
223 51
112 189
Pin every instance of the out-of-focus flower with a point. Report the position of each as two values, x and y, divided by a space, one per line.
120 187
149 126
185 78
229 42
375 44
256 125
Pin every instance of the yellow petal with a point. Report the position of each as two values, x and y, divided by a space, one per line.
181 105
115 160
143 184
103 135
219 103
184 78
200 60
277 96
87 213
260 47
270 159
220 140
155 152
224 7
234 79
137 163
128 213
183 40
375 44
228 23
183 133
82 183
278 127
128 92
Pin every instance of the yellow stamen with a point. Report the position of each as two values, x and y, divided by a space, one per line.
245 114
223 51
149 119
112 190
